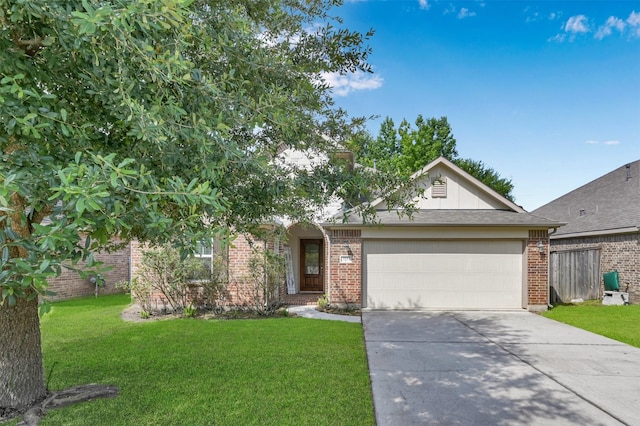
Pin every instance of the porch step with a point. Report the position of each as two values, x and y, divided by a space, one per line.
301 299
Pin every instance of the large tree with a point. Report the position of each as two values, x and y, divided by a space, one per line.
156 120
381 152
488 176
430 139
407 149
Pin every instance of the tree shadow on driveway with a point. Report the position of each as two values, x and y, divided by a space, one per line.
471 368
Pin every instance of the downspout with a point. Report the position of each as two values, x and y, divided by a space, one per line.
327 265
327 261
266 276
130 268
549 305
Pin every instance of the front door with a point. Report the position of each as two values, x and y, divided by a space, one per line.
311 265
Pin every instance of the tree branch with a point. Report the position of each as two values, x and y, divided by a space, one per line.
30 46
40 215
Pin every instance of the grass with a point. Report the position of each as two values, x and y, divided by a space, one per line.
621 323
205 372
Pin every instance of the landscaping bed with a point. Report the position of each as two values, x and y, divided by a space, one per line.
338 310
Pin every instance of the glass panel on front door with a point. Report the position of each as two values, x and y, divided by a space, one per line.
311 259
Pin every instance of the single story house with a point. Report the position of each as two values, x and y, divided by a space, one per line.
466 247
602 234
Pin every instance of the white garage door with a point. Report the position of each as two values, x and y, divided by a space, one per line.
443 274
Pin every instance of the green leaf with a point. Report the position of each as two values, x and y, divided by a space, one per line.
88 27
80 205
45 307
93 205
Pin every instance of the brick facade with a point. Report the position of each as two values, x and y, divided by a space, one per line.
343 281
70 285
619 252
537 271
240 290
345 286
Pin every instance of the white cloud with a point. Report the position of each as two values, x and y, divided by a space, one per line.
558 37
616 23
609 142
634 22
577 24
465 13
343 84
611 23
424 4
533 17
634 19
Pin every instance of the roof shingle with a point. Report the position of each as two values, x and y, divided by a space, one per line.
457 218
609 203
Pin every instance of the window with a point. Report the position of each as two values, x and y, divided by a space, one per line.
204 253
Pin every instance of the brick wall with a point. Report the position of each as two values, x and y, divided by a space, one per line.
240 290
619 252
346 278
537 271
70 285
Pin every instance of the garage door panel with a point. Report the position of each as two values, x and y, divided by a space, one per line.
443 274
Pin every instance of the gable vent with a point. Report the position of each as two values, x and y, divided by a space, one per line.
439 188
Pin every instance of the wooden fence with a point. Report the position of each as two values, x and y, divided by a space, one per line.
574 274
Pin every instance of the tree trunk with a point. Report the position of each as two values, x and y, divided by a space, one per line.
21 371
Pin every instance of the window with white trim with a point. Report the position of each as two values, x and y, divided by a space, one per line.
204 253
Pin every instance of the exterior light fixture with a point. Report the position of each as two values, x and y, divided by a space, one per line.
348 258
540 246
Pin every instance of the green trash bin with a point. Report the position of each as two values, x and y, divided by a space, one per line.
611 282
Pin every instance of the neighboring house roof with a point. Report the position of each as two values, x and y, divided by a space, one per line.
607 205
452 197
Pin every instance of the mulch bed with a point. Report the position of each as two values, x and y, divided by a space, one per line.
132 314
340 311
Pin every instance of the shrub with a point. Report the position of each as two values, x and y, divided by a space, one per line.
190 311
266 275
164 271
323 301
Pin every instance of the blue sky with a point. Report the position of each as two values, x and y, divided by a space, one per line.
545 92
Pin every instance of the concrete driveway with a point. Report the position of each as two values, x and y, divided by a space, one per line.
497 368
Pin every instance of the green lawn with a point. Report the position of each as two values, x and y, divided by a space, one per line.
620 323
205 372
